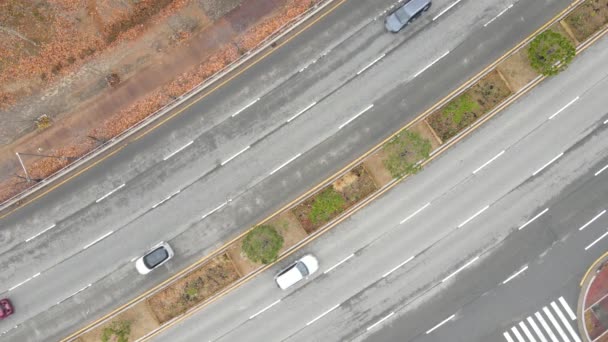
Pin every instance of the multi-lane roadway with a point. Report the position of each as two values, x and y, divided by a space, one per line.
277 129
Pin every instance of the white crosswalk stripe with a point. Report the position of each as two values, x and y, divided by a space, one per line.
531 329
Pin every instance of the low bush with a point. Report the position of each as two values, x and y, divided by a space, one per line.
327 203
262 244
550 53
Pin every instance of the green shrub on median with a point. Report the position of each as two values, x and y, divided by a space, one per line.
262 244
550 53
120 329
326 203
404 152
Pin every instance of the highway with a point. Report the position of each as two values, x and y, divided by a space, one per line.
439 245
248 148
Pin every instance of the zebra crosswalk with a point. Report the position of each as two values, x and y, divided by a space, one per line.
544 325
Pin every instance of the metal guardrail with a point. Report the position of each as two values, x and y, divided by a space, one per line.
267 42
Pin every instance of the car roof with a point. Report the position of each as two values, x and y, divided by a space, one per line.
289 276
155 257
414 6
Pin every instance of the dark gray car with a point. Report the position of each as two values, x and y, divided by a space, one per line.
405 14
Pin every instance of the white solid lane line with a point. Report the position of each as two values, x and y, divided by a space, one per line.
534 218
321 315
109 193
489 161
559 329
515 275
380 321
527 332
266 308
474 216
338 264
356 116
605 122
592 220
25 281
460 269
396 267
371 64
536 329
178 150
98 239
42 232
301 112
596 241
235 155
565 322
431 64
549 163
546 327
564 107
414 213
247 106
445 10
600 171
284 164
440 324
498 15
567 308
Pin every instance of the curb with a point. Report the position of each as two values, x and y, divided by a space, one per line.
585 284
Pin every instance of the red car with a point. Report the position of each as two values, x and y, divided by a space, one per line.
6 308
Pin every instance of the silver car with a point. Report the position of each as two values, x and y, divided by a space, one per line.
405 14
158 255
297 271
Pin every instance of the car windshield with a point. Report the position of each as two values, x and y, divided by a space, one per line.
402 15
302 268
155 257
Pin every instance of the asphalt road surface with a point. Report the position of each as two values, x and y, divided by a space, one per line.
439 245
248 148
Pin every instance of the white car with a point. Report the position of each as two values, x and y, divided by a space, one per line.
157 256
297 271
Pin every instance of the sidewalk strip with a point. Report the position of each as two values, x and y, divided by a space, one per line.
489 161
356 116
396 267
536 329
178 151
440 324
321 315
302 111
567 308
284 164
596 241
534 218
109 193
549 163
515 275
380 321
460 269
266 308
338 264
565 322
559 329
564 107
247 106
414 213
474 216
592 220
42 232
98 239
546 327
